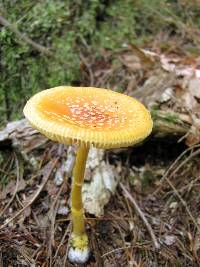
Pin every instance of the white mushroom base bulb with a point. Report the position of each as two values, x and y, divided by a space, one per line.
79 251
76 255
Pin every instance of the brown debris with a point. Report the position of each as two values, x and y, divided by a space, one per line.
162 174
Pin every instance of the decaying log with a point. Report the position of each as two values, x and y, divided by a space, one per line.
169 123
20 135
23 139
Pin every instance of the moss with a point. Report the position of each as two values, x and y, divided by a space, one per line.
170 117
68 28
166 117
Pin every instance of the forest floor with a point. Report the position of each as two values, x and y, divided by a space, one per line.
153 218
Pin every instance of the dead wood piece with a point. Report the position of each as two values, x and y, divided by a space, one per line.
24 139
142 216
16 130
154 87
169 123
25 38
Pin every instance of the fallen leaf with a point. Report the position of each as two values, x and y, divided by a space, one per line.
131 61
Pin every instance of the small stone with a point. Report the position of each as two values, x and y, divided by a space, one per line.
63 211
169 240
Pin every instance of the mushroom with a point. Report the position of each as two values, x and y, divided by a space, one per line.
86 116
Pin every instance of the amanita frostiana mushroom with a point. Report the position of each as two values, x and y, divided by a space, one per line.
88 117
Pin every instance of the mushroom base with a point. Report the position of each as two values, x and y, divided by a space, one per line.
79 250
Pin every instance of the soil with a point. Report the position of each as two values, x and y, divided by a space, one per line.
153 219
120 237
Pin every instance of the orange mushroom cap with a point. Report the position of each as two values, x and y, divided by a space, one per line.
93 116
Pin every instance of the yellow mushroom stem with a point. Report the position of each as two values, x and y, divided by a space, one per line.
79 238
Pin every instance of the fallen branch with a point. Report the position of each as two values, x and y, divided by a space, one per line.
165 123
25 38
169 123
142 216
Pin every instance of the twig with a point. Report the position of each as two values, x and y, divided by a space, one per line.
52 216
25 253
61 242
122 248
88 68
149 228
25 38
4 172
34 197
115 250
53 212
184 203
16 187
179 166
101 219
68 244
